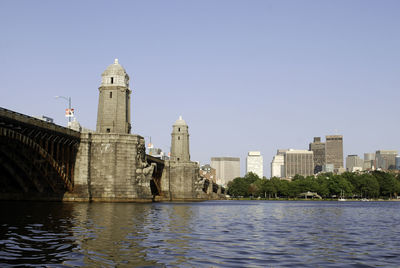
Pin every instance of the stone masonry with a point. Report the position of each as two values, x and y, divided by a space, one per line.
112 167
111 164
180 179
113 115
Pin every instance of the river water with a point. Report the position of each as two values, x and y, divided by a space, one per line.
206 234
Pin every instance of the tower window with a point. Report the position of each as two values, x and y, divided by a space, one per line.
179 138
110 95
112 80
178 158
108 130
179 129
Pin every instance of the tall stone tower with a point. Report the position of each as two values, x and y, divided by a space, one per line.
113 114
180 141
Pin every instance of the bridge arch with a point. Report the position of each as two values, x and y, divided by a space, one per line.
26 141
37 158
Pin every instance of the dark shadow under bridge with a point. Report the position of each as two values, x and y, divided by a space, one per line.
36 157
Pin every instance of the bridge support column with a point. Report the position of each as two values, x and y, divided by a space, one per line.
111 167
181 182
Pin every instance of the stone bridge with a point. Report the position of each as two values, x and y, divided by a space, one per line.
40 160
43 161
37 158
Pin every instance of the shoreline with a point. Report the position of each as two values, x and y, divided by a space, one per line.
316 200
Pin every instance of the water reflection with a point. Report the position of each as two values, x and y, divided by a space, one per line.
36 233
209 234
110 234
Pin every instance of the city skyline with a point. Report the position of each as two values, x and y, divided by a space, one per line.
245 76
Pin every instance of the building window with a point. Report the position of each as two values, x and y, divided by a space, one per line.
110 95
112 80
179 129
108 130
179 138
178 158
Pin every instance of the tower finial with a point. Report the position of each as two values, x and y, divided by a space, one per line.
180 117
116 61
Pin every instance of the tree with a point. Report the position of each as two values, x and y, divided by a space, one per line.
388 185
264 187
251 177
369 186
237 187
322 182
243 186
338 184
282 187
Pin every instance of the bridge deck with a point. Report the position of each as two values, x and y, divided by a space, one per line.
10 117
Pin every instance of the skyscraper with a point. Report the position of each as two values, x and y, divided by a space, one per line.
254 163
369 161
227 169
386 159
318 148
334 151
300 162
278 164
354 163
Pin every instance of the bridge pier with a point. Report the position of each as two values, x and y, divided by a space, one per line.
111 167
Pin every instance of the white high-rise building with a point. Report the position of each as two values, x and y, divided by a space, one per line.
254 163
278 166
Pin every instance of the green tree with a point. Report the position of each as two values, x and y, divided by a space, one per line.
283 187
237 187
251 177
243 186
275 187
388 185
295 187
338 184
368 186
297 177
265 188
322 182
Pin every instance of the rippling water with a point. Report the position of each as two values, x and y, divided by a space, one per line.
207 234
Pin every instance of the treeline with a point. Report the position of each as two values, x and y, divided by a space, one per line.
376 184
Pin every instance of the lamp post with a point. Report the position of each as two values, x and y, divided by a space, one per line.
69 104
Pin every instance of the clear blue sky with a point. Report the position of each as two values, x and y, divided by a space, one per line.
245 75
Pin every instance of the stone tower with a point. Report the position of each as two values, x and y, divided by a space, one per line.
180 141
113 114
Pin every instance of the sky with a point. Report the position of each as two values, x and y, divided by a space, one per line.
245 75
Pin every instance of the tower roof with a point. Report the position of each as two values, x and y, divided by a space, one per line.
180 122
114 69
